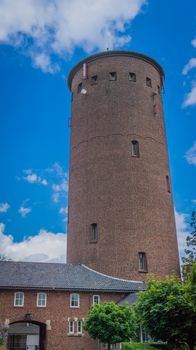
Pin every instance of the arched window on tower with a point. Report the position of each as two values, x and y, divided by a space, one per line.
135 148
94 233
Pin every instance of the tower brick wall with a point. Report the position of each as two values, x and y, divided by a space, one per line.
128 197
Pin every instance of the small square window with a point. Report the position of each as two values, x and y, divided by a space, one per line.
71 327
79 88
94 79
113 76
19 299
96 299
74 300
148 82
132 77
41 299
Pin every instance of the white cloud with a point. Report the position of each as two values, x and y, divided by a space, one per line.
43 62
193 201
190 65
182 229
4 207
32 177
59 26
63 211
191 154
60 182
190 98
24 211
193 42
45 246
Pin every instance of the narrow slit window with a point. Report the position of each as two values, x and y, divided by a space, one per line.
158 89
142 261
132 77
79 88
135 148
94 79
94 232
113 76
148 82
168 184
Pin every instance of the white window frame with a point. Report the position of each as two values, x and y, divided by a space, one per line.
72 295
98 297
71 322
79 322
38 294
15 298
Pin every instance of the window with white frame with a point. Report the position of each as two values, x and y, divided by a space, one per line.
71 326
96 299
79 327
74 300
19 299
41 299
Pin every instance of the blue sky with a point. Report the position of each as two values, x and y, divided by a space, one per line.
40 41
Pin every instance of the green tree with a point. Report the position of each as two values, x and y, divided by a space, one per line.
166 311
111 323
190 251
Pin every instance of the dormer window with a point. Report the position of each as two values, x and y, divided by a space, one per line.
132 77
113 76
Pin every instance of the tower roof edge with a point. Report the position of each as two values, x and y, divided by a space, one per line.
113 53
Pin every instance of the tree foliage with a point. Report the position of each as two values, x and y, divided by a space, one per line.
167 311
190 251
111 323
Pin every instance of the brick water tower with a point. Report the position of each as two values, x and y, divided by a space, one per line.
121 218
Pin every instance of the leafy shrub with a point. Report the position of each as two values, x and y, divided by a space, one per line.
143 346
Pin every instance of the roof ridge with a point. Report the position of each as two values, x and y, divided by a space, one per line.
115 278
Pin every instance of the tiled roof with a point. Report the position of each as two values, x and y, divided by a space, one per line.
34 275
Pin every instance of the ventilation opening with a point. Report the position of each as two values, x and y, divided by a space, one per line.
79 88
132 77
142 262
94 79
135 148
148 82
94 233
168 184
113 76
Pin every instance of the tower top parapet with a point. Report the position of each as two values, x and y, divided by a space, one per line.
114 53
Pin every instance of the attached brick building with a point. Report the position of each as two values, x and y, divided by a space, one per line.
45 305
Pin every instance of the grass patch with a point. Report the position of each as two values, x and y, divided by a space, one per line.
143 346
